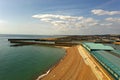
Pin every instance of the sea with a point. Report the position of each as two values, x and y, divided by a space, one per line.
26 62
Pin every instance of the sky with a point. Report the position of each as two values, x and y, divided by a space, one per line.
60 17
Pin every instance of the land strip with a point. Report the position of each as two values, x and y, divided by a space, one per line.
76 67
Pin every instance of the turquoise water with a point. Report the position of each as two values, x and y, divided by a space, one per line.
26 62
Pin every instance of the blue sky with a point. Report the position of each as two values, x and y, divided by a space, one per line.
56 17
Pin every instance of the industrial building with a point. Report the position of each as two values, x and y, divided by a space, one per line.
107 56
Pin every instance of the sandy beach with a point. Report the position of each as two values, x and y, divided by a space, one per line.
77 65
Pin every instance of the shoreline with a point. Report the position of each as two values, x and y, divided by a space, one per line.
73 67
41 76
50 69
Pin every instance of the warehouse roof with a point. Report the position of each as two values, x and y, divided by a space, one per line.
96 46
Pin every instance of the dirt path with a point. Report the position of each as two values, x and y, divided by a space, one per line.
72 67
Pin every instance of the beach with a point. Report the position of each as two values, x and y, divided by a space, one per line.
77 65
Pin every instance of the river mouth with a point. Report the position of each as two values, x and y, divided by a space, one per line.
26 62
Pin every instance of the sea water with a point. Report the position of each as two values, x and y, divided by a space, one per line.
26 62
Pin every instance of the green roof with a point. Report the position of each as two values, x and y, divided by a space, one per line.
109 61
96 46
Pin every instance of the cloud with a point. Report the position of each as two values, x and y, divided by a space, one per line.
103 12
66 22
117 20
106 24
61 17
69 24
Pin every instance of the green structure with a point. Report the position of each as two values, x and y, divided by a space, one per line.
110 62
96 46
107 56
